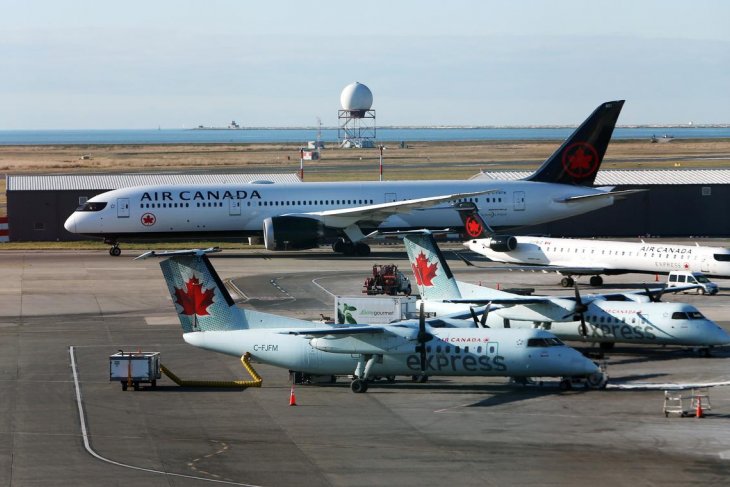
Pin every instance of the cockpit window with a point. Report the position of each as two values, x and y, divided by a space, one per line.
544 342
722 257
689 315
92 206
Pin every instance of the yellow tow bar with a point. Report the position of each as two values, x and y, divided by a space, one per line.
256 382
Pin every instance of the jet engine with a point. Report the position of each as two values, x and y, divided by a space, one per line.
292 233
503 243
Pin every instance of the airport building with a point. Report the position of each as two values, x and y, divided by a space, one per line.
677 203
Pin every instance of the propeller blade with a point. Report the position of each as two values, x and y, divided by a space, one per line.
474 317
580 308
483 322
653 297
583 328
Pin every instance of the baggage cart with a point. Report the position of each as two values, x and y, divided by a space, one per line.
135 368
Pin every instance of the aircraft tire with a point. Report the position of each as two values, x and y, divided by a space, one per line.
596 281
361 249
115 251
339 246
420 378
596 381
359 386
565 385
567 282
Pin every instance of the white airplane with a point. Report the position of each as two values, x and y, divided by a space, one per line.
606 319
301 215
212 321
577 257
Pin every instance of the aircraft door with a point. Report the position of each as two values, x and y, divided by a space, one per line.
122 207
519 200
390 197
234 207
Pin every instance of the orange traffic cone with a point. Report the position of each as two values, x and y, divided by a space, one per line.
699 413
292 397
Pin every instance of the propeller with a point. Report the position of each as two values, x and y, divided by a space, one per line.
422 338
580 309
654 297
481 323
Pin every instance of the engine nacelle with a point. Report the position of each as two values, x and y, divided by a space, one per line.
292 233
503 243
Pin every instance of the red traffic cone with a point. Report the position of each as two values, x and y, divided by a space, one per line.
699 413
292 397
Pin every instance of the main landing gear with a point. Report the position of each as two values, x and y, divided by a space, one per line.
568 281
114 251
346 247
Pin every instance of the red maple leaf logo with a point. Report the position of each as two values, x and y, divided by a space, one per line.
580 160
194 300
424 271
148 219
473 227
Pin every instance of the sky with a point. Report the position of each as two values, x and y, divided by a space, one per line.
178 64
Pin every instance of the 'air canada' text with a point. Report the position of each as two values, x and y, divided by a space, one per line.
208 195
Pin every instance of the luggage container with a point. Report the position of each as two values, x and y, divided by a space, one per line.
135 368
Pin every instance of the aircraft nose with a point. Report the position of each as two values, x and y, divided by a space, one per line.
722 337
70 224
583 365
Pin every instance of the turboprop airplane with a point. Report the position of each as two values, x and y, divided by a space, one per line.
301 215
605 319
578 257
212 321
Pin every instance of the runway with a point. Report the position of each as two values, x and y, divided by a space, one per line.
460 431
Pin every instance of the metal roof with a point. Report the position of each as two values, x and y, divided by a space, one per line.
70 182
635 176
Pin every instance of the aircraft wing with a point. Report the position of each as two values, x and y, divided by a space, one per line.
614 194
342 330
377 213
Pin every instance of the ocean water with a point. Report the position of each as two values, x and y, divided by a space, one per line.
329 136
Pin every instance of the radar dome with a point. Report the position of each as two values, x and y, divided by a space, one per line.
356 96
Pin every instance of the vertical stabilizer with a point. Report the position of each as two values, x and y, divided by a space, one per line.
201 301
433 275
578 159
474 224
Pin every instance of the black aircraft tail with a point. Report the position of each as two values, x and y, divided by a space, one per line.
578 159
474 224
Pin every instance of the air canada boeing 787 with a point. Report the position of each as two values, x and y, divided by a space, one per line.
301 215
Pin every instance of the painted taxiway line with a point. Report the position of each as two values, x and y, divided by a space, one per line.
87 442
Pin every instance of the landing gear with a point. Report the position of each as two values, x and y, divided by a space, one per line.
596 281
566 385
597 380
359 386
606 346
419 379
567 282
362 372
115 251
342 246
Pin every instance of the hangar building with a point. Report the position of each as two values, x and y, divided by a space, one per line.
678 203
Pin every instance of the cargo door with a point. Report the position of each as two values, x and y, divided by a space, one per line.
519 200
234 207
390 197
122 207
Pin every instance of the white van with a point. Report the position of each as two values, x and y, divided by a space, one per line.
683 278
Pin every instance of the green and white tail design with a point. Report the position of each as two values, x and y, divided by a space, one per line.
433 275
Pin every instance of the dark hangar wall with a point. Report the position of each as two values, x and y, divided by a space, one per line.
665 211
40 215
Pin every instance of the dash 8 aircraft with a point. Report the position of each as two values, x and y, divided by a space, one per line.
211 320
301 215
